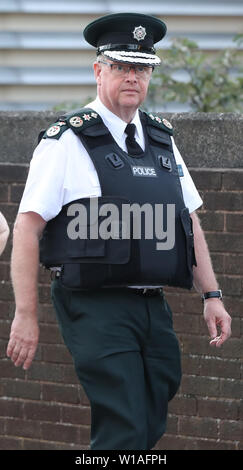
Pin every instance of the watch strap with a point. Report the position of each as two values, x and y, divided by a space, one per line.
212 294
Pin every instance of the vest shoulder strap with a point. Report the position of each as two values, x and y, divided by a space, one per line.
159 122
54 131
78 121
81 119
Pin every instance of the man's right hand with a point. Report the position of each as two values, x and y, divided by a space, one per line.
23 340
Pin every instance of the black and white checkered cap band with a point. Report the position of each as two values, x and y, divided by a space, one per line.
130 57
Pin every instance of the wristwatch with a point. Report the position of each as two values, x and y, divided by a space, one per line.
212 294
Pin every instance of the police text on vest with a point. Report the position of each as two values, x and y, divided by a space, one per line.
143 171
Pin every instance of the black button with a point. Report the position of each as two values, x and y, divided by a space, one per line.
165 162
114 160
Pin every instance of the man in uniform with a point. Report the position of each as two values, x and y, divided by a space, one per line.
107 291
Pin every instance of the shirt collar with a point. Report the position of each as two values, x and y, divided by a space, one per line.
115 124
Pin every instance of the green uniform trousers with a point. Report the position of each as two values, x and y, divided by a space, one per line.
127 358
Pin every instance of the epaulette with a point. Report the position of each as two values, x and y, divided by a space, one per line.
54 131
77 121
159 122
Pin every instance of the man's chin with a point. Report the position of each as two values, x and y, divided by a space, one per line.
130 100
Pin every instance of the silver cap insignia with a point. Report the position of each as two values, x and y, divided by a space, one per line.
139 33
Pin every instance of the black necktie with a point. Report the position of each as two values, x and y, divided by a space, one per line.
133 148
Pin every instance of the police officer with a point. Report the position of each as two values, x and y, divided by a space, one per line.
107 290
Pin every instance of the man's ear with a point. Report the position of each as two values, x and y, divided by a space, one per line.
97 70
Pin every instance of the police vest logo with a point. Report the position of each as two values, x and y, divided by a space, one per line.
143 171
139 33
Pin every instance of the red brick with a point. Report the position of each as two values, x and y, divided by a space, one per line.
224 242
11 408
61 393
231 388
42 411
218 408
45 372
233 180
49 333
22 389
219 367
9 370
212 221
201 386
9 211
234 264
231 430
23 428
224 201
9 443
13 172
169 442
60 432
56 353
3 192
206 179
76 415
186 323
234 223
16 192
183 405
190 364
195 426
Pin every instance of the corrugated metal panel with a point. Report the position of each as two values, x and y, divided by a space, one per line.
40 41
25 83
177 7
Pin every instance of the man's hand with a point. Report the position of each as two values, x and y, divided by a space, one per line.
216 316
23 340
24 272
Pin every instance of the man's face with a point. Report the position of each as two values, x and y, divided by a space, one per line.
121 91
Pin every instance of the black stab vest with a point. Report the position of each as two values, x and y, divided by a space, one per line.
124 259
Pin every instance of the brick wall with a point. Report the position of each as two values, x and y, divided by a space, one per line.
46 408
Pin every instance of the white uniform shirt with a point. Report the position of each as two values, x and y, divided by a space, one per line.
62 171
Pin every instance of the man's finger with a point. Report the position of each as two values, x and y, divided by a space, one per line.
10 347
23 353
29 358
211 324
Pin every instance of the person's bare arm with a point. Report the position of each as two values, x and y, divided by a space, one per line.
4 232
215 314
24 272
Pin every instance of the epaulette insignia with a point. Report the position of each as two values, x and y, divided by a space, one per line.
161 122
55 130
81 119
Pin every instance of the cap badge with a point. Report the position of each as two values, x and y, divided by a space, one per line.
139 33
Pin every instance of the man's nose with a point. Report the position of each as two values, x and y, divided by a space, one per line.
131 74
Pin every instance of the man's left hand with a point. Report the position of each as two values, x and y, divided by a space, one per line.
216 317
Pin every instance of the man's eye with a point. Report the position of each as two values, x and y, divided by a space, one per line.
140 69
120 68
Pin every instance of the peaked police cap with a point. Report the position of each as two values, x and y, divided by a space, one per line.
126 37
